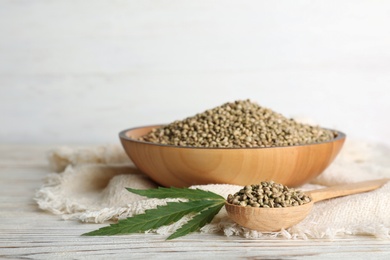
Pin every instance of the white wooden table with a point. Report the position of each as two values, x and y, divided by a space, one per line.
27 232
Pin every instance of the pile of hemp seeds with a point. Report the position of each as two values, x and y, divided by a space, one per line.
268 194
238 124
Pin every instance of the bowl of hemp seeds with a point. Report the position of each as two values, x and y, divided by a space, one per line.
238 143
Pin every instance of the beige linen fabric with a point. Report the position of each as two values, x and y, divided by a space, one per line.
89 185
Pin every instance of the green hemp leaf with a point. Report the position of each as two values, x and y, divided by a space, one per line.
203 205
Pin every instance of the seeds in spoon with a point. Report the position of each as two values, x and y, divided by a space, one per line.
268 195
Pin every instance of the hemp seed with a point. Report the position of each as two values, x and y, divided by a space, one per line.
239 124
268 195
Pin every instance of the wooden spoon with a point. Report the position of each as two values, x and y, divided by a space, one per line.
275 219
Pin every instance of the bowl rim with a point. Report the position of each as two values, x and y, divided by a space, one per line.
123 136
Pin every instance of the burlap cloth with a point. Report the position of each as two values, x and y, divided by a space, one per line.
89 185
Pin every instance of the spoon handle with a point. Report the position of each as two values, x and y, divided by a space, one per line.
346 189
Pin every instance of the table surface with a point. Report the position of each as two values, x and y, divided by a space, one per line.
27 232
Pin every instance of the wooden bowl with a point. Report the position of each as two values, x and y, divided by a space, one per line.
180 166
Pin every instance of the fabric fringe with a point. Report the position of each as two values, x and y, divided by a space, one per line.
92 182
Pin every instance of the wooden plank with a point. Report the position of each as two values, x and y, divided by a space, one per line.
27 232
23 155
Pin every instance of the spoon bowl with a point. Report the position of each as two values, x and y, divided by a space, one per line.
275 219
268 219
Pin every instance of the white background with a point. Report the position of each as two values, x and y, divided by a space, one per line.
81 71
